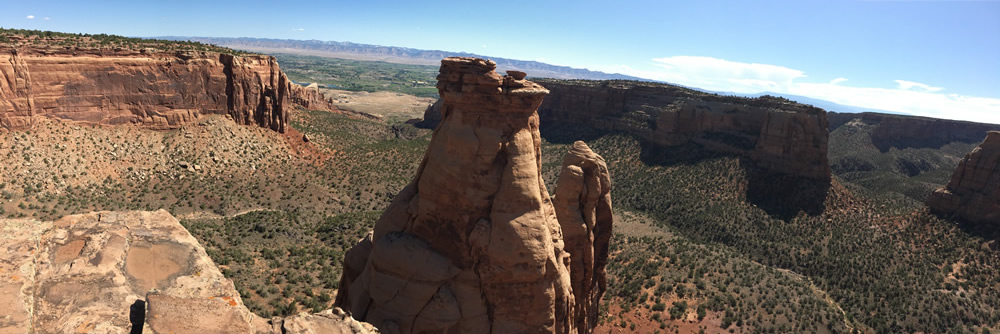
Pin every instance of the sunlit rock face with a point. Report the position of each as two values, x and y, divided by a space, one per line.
973 194
475 244
127 272
156 89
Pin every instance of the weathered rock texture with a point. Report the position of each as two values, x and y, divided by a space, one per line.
902 131
113 272
475 244
973 194
152 88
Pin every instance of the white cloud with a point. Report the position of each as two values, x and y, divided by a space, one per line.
731 76
720 74
45 18
299 29
30 17
906 85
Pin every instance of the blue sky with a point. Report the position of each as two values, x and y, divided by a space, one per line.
934 58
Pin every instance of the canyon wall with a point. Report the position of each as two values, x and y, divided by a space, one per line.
127 272
973 194
902 131
778 134
157 89
475 244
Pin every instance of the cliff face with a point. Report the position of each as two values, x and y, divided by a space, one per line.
475 244
902 131
778 134
151 88
973 194
121 272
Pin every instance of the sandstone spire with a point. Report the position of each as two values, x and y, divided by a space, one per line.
973 193
473 244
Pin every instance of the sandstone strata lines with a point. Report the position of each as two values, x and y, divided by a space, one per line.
973 193
157 89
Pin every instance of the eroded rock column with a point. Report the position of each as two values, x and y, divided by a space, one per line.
473 244
973 194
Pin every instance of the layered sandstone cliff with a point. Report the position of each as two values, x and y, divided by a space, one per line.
475 244
902 131
778 134
157 89
127 272
973 194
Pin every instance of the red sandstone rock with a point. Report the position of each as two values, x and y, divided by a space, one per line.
107 272
474 244
973 194
154 89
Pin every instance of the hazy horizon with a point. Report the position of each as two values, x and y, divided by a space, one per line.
925 58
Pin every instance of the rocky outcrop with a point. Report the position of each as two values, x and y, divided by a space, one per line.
126 272
158 89
973 194
432 116
475 244
902 131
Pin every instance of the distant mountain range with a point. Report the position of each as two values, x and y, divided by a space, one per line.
402 55
394 54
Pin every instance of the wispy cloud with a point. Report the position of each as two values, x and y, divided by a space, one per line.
30 17
720 74
907 85
299 29
45 18
739 77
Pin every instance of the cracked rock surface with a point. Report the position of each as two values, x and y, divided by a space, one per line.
126 272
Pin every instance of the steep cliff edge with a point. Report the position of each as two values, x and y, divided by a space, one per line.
153 88
127 272
973 194
475 244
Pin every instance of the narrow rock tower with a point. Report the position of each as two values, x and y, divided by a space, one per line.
473 244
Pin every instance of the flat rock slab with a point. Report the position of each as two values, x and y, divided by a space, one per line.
127 272
83 273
